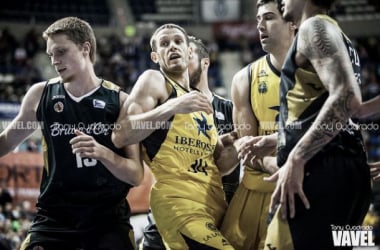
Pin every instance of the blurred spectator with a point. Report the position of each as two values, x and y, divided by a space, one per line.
5 196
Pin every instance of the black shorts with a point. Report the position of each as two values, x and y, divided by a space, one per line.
119 237
337 184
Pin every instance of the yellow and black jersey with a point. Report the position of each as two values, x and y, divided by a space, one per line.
76 190
188 193
302 96
182 149
264 87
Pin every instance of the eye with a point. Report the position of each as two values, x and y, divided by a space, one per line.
164 43
61 52
269 17
179 41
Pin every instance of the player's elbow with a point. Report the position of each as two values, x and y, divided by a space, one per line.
117 139
137 178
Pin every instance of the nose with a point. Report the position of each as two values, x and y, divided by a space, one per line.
54 60
260 25
173 45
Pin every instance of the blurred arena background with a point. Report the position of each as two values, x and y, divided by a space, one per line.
123 29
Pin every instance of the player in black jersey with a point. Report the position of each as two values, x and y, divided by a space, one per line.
323 185
86 178
198 70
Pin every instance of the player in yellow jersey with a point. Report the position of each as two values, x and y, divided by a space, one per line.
255 93
179 138
323 185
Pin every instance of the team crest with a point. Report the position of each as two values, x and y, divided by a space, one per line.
202 125
263 88
58 107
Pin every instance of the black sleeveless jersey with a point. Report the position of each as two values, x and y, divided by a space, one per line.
304 92
222 114
78 193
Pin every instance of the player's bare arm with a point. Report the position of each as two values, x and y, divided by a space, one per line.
244 118
148 102
128 169
321 44
19 129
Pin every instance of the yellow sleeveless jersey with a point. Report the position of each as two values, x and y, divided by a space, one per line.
183 147
264 87
188 189
264 98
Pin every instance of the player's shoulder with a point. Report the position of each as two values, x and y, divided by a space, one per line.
151 74
318 26
110 86
54 80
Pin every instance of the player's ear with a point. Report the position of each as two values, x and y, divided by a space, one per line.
205 63
190 52
293 26
154 56
86 48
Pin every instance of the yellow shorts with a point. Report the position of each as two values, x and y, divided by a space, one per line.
182 217
279 236
245 222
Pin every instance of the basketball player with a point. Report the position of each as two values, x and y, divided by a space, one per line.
198 72
323 180
222 108
86 178
255 93
179 143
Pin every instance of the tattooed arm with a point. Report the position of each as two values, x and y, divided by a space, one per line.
321 44
320 48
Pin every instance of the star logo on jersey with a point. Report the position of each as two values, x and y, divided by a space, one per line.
202 125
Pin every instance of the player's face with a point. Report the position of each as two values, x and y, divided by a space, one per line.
172 50
292 10
67 58
195 69
273 30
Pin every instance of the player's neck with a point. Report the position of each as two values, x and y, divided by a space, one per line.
203 87
181 79
277 60
83 84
